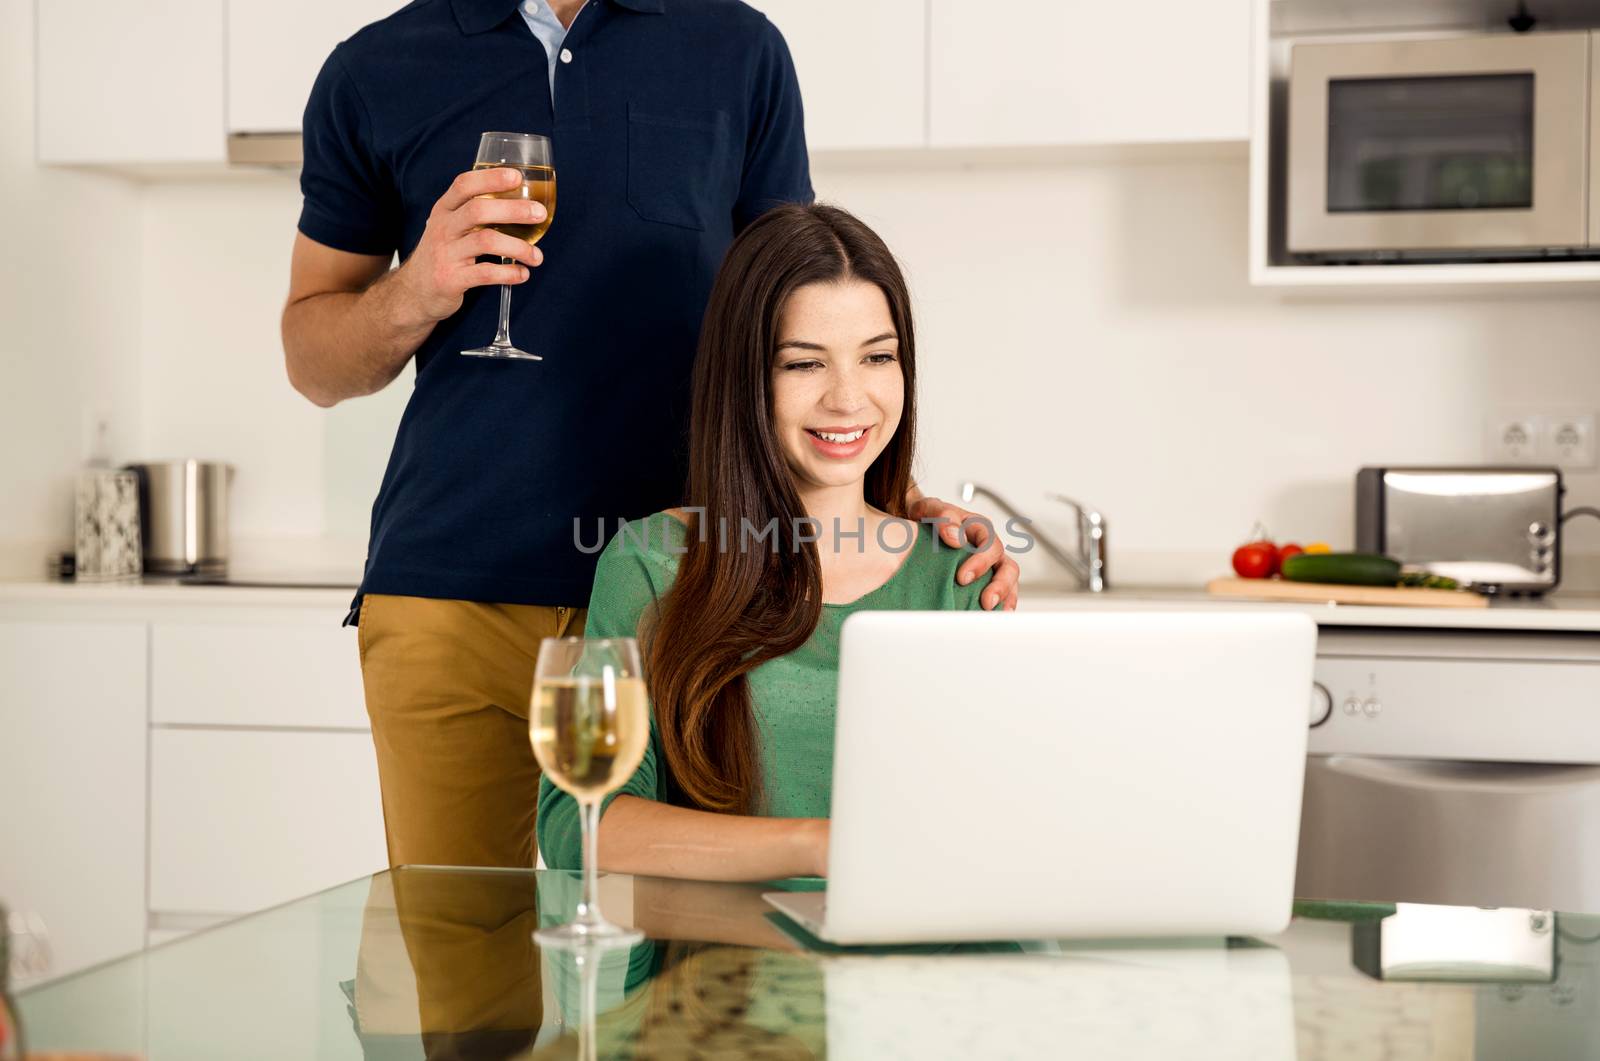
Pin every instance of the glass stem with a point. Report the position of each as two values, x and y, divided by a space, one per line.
589 905
589 975
503 336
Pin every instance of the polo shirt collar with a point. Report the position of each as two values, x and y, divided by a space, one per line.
476 16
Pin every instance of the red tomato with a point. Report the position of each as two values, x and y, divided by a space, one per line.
1255 560
1286 551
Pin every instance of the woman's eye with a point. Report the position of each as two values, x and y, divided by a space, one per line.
801 365
881 359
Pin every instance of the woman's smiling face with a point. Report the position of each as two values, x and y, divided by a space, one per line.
837 387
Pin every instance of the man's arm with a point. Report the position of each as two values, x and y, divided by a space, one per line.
343 334
351 324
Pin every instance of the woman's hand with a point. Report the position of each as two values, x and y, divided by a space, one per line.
991 551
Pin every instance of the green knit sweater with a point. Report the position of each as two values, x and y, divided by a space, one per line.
793 696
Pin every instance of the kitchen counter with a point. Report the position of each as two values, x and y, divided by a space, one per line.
1557 612
310 592
440 961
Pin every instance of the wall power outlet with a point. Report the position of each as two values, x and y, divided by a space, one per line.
1563 437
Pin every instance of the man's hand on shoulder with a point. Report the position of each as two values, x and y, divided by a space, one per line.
990 550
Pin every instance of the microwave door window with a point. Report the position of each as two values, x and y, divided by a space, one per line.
1430 143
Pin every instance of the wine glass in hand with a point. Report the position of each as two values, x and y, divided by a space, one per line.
529 154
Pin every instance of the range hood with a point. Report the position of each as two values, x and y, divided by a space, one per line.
274 150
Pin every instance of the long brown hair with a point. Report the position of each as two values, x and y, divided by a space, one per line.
739 602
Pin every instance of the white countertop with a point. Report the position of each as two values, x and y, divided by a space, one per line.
1555 612
1579 613
148 594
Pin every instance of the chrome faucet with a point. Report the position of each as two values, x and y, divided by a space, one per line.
1089 565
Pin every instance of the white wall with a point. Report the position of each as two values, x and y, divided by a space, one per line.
69 317
1089 329
215 255
1086 328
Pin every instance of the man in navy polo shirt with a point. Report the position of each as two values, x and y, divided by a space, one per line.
673 123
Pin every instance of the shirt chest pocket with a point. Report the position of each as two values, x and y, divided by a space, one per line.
679 165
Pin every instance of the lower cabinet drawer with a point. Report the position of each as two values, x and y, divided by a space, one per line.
302 669
245 819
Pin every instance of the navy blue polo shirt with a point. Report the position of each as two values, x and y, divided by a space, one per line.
677 122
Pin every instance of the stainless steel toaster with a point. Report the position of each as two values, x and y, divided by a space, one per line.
1496 528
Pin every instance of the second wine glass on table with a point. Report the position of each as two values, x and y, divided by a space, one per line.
529 154
589 722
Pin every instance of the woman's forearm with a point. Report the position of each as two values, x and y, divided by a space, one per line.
642 836
705 912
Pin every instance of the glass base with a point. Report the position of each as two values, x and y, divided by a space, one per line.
508 352
578 934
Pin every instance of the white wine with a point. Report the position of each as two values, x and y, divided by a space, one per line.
538 186
586 746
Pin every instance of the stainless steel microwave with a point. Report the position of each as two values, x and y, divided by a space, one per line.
1444 148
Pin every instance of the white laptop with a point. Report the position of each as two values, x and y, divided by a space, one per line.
1087 774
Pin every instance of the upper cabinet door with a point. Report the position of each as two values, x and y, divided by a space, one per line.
862 69
276 47
128 83
1073 72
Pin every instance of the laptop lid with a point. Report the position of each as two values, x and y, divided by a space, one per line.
1088 774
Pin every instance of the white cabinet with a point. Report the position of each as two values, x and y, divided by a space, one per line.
1035 72
165 81
72 784
130 83
861 66
276 47
171 757
168 81
298 668
243 819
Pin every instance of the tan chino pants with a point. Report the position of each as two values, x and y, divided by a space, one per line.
447 686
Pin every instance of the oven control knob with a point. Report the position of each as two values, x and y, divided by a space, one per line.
1321 704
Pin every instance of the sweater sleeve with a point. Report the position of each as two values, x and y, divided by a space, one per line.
624 591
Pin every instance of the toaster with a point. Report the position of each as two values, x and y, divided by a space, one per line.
1497 529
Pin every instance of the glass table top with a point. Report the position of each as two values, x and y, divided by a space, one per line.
441 963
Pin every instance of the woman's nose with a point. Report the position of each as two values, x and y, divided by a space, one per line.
844 393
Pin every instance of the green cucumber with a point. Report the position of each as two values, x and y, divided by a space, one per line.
1351 569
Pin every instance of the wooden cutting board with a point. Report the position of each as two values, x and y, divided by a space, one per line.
1326 593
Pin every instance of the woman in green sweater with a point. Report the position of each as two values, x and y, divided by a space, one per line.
801 441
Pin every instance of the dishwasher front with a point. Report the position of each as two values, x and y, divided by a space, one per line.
1457 767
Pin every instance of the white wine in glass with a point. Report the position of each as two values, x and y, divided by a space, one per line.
589 722
538 186
529 154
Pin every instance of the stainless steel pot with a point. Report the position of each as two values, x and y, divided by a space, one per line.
183 510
